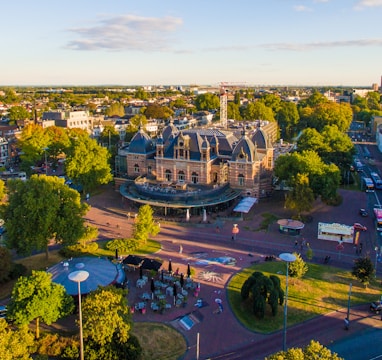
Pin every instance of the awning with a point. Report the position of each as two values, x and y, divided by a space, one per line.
245 204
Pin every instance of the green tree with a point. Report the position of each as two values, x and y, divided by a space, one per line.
261 290
15 344
145 225
107 325
298 268
233 111
5 263
287 118
115 109
32 142
87 163
331 114
301 197
363 270
36 297
109 137
40 210
312 351
207 101
2 190
18 113
258 111
156 111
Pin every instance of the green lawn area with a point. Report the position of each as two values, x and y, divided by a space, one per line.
323 289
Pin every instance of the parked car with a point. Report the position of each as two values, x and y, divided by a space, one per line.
358 226
376 307
3 311
363 212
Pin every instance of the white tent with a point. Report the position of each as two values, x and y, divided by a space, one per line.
245 205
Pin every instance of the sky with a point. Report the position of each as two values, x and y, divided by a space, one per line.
198 42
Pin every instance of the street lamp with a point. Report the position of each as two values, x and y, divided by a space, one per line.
288 258
79 277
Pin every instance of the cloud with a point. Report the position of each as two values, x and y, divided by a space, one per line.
322 45
127 32
302 8
367 4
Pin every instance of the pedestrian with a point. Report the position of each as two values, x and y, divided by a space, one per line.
217 229
87 197
232 238
360 248
180 249
296 244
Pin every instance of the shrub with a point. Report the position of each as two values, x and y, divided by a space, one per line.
17 271
124 245
298 268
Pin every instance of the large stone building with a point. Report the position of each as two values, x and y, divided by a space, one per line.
198 160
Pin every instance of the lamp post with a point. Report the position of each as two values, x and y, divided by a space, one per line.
79 277
288 258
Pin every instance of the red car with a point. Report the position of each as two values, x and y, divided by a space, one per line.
358 226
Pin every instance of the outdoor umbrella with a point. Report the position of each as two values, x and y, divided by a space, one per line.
174 292
181 280
140 272
152 288
151 264
188 270
169 266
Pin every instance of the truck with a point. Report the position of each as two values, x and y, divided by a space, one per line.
378 217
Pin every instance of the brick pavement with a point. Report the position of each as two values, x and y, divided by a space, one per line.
221 333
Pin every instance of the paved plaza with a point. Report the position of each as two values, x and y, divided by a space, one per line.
214 257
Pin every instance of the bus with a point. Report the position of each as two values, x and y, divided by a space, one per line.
369 185
378 218
376 180
6 175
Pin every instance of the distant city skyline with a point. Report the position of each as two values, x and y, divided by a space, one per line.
203 42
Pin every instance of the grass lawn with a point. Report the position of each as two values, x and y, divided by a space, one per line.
159 341
323 289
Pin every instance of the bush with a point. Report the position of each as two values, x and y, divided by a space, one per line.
17 271
298 268
126 246
56 345
78 250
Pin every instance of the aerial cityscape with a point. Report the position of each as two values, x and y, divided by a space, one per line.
191 180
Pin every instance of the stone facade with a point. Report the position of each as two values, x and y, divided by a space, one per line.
208 157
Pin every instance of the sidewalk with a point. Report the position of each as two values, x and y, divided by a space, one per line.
220 333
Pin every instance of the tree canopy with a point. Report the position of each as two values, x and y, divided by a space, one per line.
145 225
263 290
207 101
87 163
36 297
313 351
363 270
40 210
15 344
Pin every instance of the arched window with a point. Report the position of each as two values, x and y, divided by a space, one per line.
149 169
168 175
181 176
194 178
136 168
240 179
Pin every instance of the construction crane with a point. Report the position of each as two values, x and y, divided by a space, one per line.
224 90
